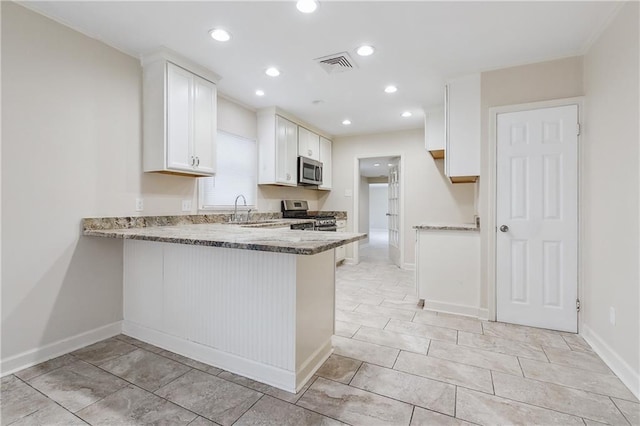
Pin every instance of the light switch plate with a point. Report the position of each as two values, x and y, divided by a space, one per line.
348 193
186 205
139 204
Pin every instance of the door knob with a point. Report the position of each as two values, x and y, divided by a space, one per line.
504 228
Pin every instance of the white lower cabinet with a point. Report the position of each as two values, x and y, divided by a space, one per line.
341 252
448 271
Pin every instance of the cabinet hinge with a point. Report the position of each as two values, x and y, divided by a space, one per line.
578 129
578 305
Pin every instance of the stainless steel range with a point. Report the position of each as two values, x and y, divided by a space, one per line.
299 209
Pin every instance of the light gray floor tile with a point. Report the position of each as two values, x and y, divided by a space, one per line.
369 320
264 388
422 417
77 385
535 336
134 406
145 369
392 339
358 295
556 397
346 305
408 388
346 329
457 323
51 415
422 330
339 368
104 350
401 314
45 367
631 410
576 342
447 371
478 357
139 343
19 400
604 384
210 396
502 345
272 411
588 422
191 362
478 407
363 351
409 305
201 421
354 406
577 359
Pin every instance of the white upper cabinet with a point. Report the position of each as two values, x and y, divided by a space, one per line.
277 149
179 118
308 144
434 133
462 129
325 158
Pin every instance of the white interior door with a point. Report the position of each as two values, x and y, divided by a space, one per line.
537 218
394 214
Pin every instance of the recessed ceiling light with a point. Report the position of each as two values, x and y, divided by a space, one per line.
272 72
307 6
407 114
219 34
391 89
259 92
376 165
389 164
365 50
346 122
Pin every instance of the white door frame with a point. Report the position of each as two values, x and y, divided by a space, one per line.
491 225
356 200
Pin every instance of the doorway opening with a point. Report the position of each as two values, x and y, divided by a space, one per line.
377 203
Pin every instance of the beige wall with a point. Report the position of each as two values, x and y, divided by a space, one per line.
517 85
363 207
428 196
609 199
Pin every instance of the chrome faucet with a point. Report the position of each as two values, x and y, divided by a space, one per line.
235 208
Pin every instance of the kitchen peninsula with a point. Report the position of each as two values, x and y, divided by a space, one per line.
254 299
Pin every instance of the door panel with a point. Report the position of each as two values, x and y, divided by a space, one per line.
536 212
204 125
179 110
394 214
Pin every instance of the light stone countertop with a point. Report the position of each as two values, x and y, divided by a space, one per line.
269 236
444 227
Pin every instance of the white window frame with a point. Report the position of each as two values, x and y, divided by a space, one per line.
230 207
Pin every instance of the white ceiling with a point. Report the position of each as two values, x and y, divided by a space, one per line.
368 166
418 45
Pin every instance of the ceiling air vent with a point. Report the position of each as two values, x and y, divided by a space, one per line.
338 62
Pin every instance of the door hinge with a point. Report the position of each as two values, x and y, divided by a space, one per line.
578 129
578 305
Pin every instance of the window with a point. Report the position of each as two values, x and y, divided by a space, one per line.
236 173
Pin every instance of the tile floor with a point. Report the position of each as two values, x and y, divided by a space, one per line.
393 364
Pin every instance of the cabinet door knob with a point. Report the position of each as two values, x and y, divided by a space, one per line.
193 161
504 228
197 161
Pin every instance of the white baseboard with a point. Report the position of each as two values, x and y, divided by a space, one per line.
276 377
349 261
619 366
311 365
409 266
452 308
56 349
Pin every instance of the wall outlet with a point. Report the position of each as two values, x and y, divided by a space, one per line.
139 204
348 193
612 315
186 205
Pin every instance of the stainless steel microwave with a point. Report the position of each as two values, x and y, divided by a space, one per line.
309 171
